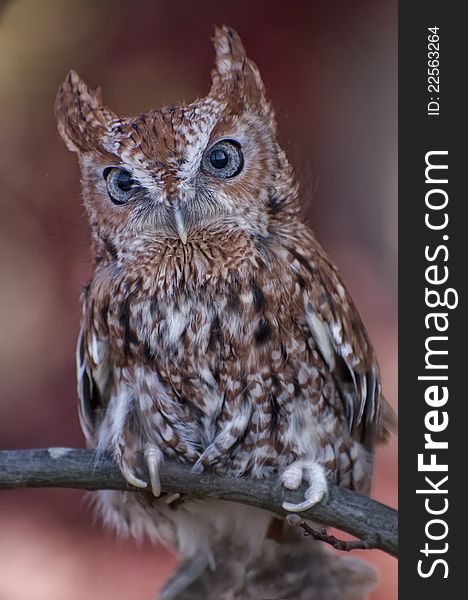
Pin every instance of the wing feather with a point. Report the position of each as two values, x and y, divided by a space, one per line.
92 368
342 341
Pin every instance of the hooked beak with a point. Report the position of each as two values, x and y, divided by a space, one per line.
179 215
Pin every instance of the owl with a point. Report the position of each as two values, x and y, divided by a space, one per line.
215 329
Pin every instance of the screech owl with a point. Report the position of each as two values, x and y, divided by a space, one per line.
215 329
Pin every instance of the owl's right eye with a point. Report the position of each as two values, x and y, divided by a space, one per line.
223 160
120 184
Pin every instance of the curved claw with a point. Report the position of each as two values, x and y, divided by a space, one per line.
153 457
154 479
301 506
131 478
314 474
172 498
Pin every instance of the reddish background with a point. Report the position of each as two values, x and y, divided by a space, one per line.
330 68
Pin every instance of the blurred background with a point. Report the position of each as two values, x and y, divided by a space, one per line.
330 69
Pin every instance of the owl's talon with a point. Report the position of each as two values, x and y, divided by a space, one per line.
197 468
172 498
130 477
126 462
301 506
154 458
314 474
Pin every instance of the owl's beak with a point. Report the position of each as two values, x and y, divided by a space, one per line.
179 214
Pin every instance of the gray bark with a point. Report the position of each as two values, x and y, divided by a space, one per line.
364 518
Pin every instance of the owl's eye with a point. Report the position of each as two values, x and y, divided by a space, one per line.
223 160
120 184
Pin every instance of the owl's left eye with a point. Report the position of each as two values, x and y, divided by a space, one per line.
120 184
223 160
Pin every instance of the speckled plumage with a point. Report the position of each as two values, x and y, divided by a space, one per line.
233 346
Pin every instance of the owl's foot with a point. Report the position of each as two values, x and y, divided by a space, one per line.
314 474
128 463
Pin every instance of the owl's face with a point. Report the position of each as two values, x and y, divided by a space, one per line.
182 172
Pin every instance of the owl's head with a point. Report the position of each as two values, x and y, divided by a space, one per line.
183 172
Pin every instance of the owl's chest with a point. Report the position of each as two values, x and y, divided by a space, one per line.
198 341
225 374
194 362
214 348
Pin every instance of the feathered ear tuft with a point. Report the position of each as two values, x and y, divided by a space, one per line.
82 121
230 52
235 76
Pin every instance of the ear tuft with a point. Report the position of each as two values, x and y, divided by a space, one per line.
82 121
236 77
230 52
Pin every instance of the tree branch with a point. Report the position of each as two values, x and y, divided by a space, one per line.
373 523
